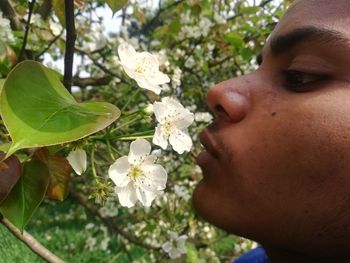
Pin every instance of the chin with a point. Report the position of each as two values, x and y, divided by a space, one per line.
207 204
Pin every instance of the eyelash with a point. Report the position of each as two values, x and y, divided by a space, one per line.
295 80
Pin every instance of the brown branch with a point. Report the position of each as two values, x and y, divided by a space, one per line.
45 9
25 38
70 40
84 82
31 243
49 45
109 222
10 13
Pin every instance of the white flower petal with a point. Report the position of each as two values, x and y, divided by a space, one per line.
145 197
118 171
174 253
158 78
150 159
167 246
172 102
126 195
160 138
139 150
160 111
77 159
156 175
127 55
180 141
145 84
185 119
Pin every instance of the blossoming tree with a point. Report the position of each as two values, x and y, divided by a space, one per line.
115 132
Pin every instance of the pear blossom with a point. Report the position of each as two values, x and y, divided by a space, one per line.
175 247
136 176
173 121
176 79
142 67
203 117
77 159
5 30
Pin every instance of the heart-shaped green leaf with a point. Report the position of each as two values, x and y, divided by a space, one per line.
37 110
27 194
10 171
116 5
59 169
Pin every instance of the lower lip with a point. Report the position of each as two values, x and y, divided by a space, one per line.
204 158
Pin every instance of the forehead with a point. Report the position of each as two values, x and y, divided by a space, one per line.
330 14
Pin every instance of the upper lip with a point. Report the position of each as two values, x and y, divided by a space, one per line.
208 142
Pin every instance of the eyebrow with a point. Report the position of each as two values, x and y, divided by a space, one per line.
283 43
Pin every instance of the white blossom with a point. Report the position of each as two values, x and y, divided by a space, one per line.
190 62
175 247
136 176
90 243
203 117
5 30
142 67
219 19
176 79
77 159
173 121
182 191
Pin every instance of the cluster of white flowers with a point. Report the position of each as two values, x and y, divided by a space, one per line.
136 176
5 30
175 247
190 29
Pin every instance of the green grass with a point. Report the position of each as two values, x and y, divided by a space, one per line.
13 250
61 227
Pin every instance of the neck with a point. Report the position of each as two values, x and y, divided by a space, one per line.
277 255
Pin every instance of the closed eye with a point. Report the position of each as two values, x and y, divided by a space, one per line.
298 81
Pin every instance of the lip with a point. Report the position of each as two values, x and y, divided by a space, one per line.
210 150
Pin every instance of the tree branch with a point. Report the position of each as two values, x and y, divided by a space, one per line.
10 13
84 82
81 199
70 40
25 38
32 243
49 45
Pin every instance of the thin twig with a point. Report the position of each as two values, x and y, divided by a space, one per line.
70 40
109 222
49 45
32 243
25 38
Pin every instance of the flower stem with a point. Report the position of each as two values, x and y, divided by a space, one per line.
92 160
130 138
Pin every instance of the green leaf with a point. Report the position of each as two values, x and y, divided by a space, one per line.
59 170
234 39
27 194
192 254
2 81
58 7
38 111
116 5
249 10
10 172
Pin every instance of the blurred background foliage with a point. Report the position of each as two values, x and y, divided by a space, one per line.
198 43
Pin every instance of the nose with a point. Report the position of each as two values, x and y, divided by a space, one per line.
229 100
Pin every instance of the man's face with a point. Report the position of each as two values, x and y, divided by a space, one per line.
277 164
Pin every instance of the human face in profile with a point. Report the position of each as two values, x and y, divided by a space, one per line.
276 162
